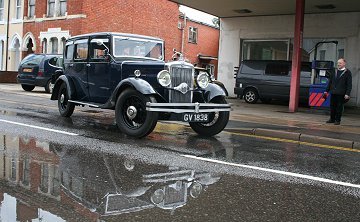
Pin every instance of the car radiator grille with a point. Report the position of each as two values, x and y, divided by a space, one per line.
181 75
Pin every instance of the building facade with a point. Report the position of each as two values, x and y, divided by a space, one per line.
44 25
271 37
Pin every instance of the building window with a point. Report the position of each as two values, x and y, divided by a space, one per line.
63 8
31 13
44 46
54 45
51 8
193 35
1 10
18 9
44 182
26 172
265 49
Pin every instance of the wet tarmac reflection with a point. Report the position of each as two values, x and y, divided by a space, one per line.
47 182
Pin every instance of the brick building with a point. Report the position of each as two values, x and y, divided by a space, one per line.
46 24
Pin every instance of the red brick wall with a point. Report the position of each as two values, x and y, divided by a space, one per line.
8 77
207 43
156 18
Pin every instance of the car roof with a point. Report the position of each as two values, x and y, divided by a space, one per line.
115 34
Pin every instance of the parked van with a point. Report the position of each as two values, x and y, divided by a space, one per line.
269 79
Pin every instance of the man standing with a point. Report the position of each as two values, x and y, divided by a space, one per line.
339 86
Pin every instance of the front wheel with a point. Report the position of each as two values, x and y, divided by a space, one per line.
217 121
48 87
27 88
66 108
131 115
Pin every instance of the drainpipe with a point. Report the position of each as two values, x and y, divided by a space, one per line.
183 36
7 37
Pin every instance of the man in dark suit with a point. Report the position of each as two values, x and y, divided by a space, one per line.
340 84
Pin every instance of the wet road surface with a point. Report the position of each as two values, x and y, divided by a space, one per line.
83 169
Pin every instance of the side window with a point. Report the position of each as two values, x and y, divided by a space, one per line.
252 68
69 52
97 52
53 61
81 51
278 69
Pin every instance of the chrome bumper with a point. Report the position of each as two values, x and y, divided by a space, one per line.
187 107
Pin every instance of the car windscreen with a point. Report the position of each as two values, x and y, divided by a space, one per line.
132 47
32 59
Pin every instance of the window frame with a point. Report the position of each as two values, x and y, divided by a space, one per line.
18 4
2 18
30 6
193 31
53 2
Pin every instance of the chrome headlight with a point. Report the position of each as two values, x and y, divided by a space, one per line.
164 78
157 197
203 80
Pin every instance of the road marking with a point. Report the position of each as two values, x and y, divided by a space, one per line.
296 141
303 176
38 127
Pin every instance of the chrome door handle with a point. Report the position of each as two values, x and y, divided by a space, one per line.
88 65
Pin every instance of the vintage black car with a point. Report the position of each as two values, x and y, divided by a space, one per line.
128 73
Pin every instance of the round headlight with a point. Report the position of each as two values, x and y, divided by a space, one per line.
196 190
203 80
158 196
164 78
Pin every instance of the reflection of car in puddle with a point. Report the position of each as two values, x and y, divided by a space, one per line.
113 185
93 184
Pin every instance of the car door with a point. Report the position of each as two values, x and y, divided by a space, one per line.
99 76
277 79
75 62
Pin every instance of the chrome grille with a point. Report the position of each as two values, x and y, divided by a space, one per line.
181 75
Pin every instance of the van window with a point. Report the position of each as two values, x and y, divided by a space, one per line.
254 68
281 69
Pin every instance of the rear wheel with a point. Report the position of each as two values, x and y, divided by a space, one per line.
27 87
251 96
217 121
48 86
66 108
131 115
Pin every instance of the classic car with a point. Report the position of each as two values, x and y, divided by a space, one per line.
128 73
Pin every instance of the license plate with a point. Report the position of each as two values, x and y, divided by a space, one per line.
195 117
27 70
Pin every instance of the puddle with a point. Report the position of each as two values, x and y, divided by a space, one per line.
52 182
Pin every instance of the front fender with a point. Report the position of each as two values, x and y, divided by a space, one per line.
139 84
213 90
69 86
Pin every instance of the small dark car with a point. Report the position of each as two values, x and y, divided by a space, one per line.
37 69
127 73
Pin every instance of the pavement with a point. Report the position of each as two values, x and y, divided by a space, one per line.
307 125
274 120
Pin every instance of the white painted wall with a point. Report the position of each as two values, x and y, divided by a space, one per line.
339 25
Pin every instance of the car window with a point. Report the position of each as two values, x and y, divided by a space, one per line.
81 51
69 52
252 68
56 61
32 59
280 69
98 51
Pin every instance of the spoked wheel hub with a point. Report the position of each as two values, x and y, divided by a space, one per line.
131 112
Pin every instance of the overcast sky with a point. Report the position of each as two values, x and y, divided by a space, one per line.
197 15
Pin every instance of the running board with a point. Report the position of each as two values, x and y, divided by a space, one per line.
85 104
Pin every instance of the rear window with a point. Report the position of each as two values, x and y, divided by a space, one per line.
32 59
252 68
